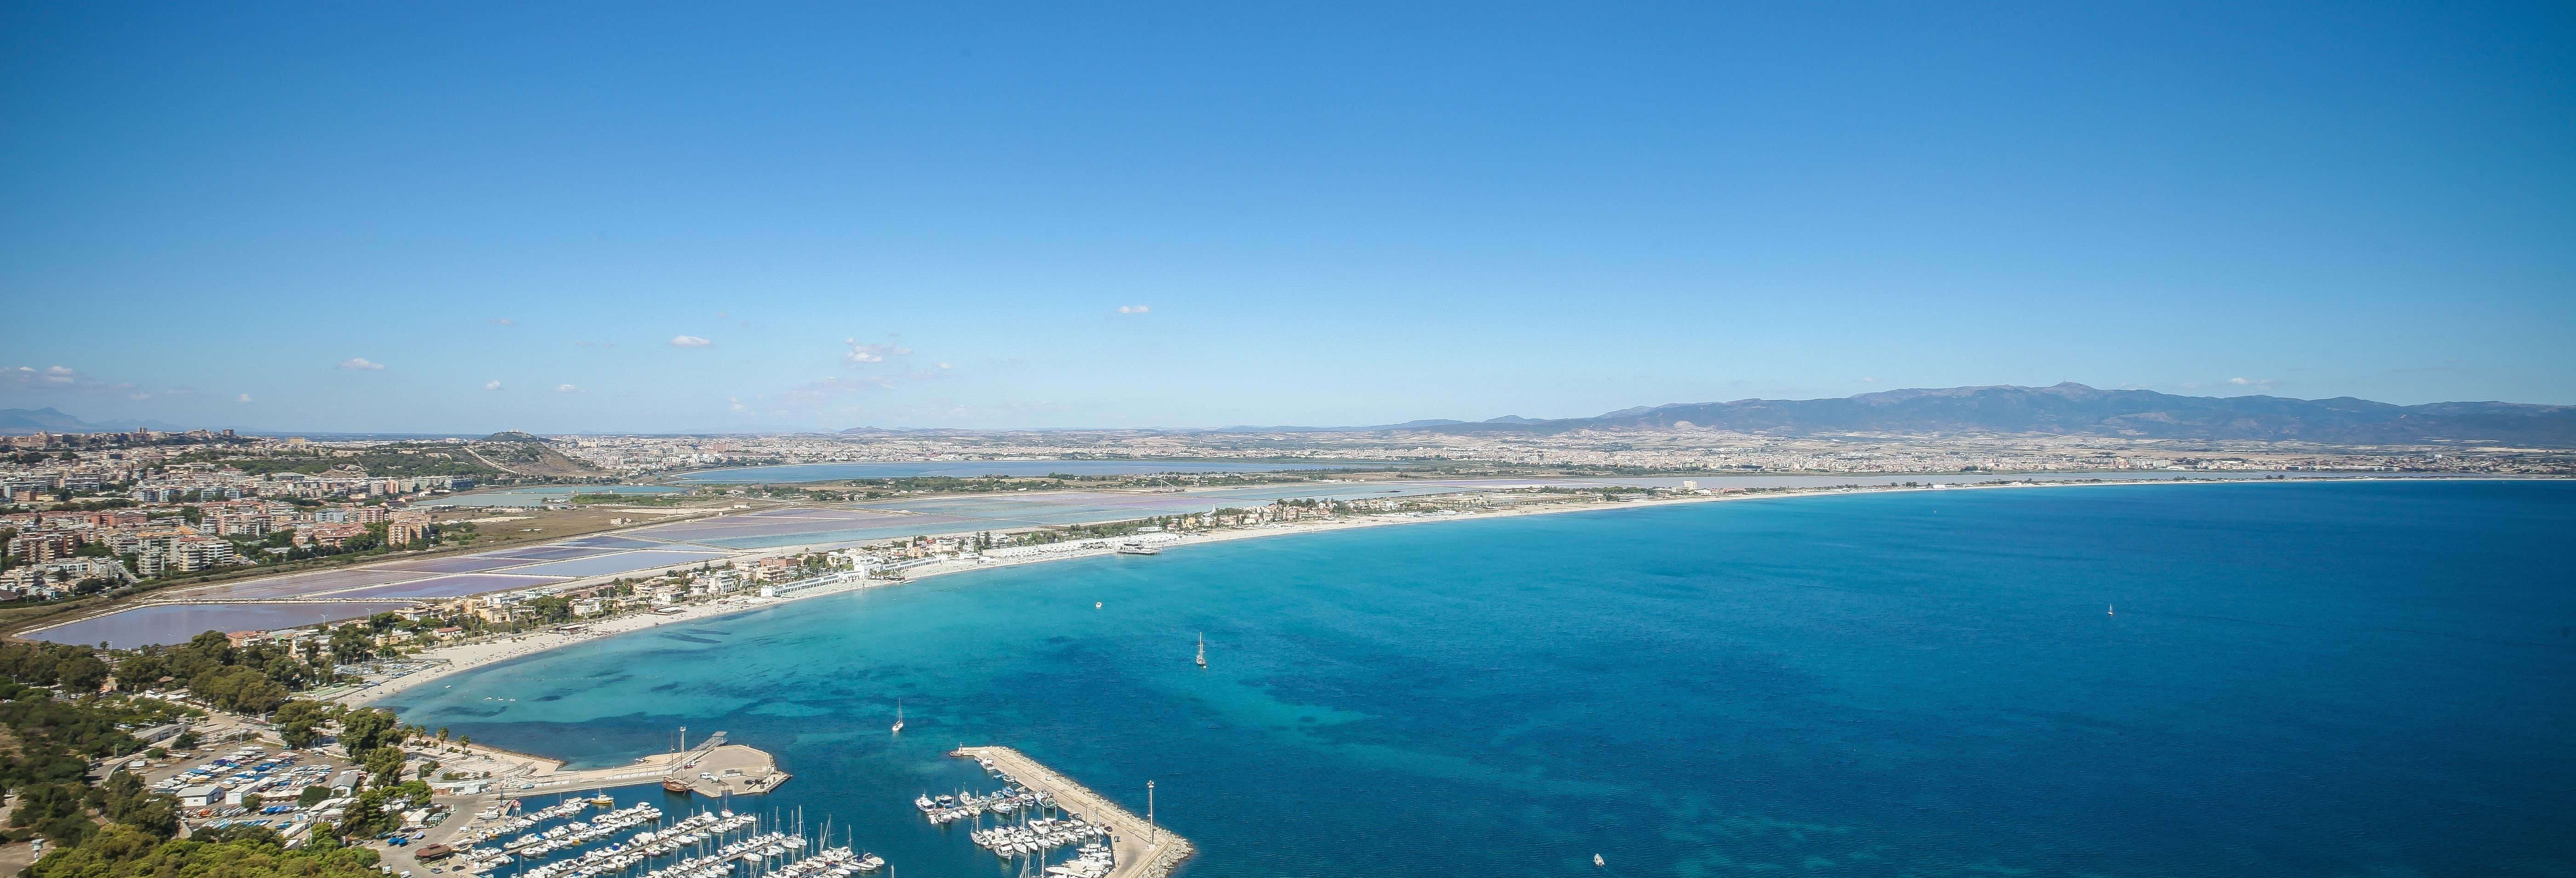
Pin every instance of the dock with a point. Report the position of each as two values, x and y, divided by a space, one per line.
713 768
1142 850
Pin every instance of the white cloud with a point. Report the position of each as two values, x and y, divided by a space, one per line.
946 366
2253 382
244 398
58 378
689 341
504 321
1134 309
494 384
566 388
863 354
359 363
740 407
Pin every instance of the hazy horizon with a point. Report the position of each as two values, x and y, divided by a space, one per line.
752 429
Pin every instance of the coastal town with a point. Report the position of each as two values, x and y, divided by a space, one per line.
403 561
102 513
1588 451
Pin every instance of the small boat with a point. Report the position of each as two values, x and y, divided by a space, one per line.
603 800
898 714
1596 860
673 785
1202 650
2111 609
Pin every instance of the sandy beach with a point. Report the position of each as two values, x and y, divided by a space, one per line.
458 658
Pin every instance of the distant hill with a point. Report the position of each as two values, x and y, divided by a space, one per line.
43 420
527 455
19 422
2075 409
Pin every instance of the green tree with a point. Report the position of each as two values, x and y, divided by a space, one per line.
551 608
299 723
367 729
239 689
384 765
351 643
236 851
379 809
82 673
123 799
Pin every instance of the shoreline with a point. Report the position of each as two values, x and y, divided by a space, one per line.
453 660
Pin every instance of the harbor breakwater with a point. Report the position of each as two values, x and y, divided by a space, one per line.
1143 850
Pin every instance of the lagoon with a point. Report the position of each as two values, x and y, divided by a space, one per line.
830 472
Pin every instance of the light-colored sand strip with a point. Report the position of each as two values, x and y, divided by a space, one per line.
467 656
1143 850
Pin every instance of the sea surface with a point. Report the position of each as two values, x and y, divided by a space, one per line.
827 472
2282 679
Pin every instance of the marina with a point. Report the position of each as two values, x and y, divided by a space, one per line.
507 842
1136 847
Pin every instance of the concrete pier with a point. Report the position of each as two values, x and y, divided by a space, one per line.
728 768
1142 851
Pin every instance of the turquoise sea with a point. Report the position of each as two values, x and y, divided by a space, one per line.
2300 680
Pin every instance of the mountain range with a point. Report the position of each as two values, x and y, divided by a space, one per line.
2067 409
14 422
2077 410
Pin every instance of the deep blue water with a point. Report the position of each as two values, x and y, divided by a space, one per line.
825 472
2301 679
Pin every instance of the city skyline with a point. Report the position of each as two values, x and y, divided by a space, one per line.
391 220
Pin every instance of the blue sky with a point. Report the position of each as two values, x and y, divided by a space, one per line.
362 216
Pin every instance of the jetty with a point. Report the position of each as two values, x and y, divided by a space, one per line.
712 768
1142 850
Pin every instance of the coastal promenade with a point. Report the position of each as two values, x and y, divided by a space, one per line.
1143 851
